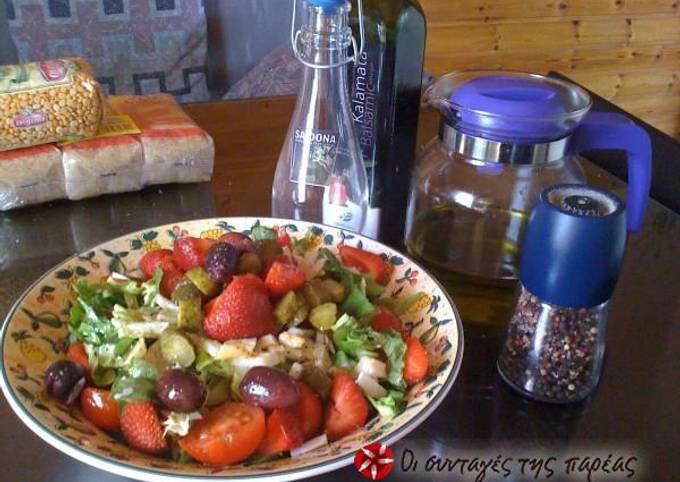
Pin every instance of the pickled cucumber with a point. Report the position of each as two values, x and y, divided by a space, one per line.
323 316
176 349
285 309
250 263
188 299
312 291
205 284
336 291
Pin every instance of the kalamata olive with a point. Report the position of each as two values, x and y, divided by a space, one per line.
239 241
221 262
180 391
64 381
269 388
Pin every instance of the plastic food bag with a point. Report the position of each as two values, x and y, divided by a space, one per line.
175 148
48 101
30 176
102 166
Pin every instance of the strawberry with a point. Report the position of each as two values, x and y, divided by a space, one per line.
283 238
142 428
384 319
152 260
415 361
366 262
347 408
171 278
191 252
310 408
284 431
284 277
77 354
243 310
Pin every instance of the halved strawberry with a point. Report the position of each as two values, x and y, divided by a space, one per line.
366 262
283 277
384 319
152 260
171 278
190 252
77 354
283 238
310 408
284 431
415 361
142 428
347 408
243 310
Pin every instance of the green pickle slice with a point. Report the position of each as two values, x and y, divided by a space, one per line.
177 350
202 280
323 316
188 299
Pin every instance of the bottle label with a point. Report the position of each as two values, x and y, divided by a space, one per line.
368 72
339 211
314 153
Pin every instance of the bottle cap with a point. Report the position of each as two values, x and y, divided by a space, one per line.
573 248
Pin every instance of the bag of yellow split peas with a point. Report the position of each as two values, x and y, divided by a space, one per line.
48 101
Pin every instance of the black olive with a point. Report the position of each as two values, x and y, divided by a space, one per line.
64 380
221 262
180 391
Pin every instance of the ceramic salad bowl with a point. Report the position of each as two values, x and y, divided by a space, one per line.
35 334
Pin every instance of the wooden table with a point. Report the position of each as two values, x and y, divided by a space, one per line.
634 410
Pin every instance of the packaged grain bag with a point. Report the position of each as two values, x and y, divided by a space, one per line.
102 165
48 101
175 148
30 176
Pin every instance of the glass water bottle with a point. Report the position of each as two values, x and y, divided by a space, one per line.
320 175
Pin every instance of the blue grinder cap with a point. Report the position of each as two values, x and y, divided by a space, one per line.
573 248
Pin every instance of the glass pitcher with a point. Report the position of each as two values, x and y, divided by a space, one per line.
504 137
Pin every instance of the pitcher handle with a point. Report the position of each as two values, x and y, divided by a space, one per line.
606 130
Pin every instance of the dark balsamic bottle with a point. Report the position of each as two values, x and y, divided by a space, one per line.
385 88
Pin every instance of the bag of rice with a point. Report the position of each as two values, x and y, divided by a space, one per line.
102 165
48 101
30 176
175 148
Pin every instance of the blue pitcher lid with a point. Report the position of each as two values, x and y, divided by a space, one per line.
509 106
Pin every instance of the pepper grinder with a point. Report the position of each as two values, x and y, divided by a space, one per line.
571 260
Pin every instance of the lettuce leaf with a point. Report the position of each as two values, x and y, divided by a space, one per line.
136 382
357 304
355 339
395 350
341 360
390 405
92 327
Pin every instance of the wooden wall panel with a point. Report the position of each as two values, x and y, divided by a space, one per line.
628 51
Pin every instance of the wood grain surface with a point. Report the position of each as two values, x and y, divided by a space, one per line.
627 51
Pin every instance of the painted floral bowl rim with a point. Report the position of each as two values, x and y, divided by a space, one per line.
24 356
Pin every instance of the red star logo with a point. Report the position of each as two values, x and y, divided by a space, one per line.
374 461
